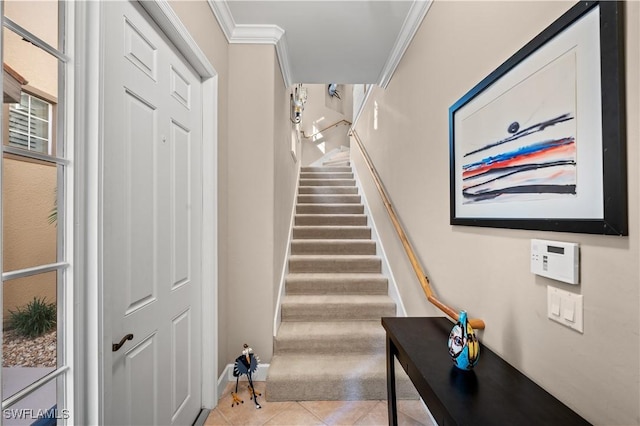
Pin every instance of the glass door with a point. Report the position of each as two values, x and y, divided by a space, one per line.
36 284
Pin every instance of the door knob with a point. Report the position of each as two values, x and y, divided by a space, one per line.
116 346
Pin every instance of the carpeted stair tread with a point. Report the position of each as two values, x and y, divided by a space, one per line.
329 199
333 246
336 307
327 190
324 169
337 163
332 232
329 174
329 208
331 219
330 344
327 182
344 377
336 283
330 337
339 263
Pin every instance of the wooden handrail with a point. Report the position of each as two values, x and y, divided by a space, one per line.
424 281
347 122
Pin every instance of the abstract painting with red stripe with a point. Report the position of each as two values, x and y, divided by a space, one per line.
522 145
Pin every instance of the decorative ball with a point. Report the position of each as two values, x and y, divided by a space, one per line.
464 347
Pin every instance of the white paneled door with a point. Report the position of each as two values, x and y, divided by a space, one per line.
152 222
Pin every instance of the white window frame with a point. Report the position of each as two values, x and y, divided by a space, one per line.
64 153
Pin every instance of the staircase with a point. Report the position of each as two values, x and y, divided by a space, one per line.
330 344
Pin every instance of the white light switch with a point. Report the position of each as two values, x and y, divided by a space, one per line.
569 310
555 304
565 307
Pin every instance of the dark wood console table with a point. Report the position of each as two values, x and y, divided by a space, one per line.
494 393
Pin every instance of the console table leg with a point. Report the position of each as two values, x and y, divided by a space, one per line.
391 384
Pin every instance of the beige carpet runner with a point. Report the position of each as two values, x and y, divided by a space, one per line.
330 344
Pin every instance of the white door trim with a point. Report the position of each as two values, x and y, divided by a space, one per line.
93 314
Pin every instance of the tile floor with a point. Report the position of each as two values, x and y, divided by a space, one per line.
303 413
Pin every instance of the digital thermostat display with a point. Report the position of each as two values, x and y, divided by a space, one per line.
556 250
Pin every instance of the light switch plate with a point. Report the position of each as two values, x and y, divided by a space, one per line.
565 307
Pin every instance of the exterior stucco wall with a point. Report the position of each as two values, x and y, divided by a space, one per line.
28 187
28 237
486 271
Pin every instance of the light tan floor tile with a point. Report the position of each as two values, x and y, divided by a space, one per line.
339 412
415 410
215 419
379 416
367 413
246 413
296 415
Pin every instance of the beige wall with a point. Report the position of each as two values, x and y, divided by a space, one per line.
39 68
285 176
28 237
484 270
28 187
251 198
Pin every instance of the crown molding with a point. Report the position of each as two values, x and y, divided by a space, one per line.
419 9
283 58
253 34
222 13
256 34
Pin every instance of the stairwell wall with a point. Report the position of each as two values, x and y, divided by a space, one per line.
250 199
486 271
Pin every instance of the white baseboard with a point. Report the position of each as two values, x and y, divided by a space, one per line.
227 376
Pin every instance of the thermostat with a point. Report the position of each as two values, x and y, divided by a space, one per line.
556 260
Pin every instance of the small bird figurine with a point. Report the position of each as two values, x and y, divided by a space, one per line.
247 364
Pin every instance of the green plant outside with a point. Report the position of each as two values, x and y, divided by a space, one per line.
34 319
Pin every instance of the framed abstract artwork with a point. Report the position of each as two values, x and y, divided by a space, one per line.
540 142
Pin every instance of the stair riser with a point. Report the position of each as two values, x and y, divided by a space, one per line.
322 288
330 247
325 175
331 220
331 233
327 182
337 163
338 169
329 209
336 312
329 199
330 345
336 265
327 190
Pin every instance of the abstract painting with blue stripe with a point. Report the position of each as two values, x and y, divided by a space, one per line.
522 145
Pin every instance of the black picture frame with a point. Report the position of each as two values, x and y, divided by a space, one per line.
487 209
